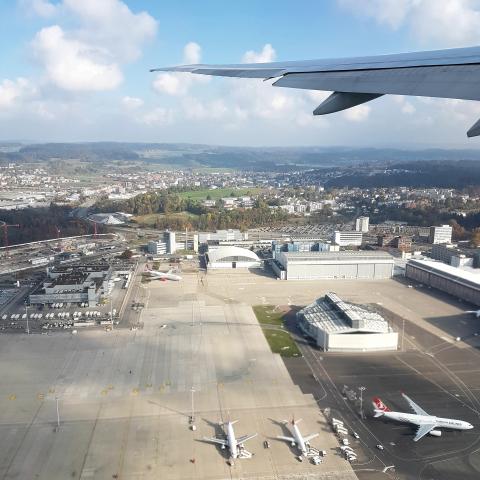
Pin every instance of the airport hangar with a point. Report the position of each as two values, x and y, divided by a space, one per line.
231 257
338 326
368 265
460 283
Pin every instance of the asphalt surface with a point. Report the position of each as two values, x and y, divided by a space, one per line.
440 375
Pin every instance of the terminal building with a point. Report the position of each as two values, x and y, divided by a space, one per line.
368 265
463 284
338 326
232 257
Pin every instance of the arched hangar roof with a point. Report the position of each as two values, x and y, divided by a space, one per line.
224 253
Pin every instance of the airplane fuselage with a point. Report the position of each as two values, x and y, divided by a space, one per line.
428 419
299 441
232 441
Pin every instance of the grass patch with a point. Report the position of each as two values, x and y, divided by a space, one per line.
218 193
266 315
280 341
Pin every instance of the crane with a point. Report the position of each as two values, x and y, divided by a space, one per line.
5 227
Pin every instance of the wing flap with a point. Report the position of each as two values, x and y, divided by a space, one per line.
459 81
423 430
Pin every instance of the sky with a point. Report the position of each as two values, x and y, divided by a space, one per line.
78 70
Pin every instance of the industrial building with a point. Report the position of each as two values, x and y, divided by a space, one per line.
348 238
303 245
232 257
463 284
451 255
165 244
74 285
441 234
222 235
338 326
328 265
362 224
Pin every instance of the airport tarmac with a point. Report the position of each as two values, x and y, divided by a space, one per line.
124 397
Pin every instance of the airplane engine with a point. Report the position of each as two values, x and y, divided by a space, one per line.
293 444
435 433
223 447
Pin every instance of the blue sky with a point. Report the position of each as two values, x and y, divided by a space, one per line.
77 70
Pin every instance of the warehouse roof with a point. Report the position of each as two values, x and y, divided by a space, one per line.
470 277
226 252
333 315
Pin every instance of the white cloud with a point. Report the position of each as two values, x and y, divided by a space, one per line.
357 114
132 103
90 57
73 65
179 84
444 22
192 53
157 117
42 8
267 54
13 91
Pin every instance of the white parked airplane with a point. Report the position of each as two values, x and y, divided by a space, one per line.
234 445
453 73
298 440
156 275
475 312
427 424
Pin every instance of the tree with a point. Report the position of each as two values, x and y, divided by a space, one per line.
476 238
126 255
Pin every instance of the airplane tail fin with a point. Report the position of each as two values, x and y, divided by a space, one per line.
233 422
379 406
296 422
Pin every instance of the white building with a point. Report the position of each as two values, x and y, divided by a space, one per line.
165 244
441 234
339 326
333 265
232 257
349 238
361 224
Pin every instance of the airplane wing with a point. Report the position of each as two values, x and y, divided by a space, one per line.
418 410
220 441
452 73
310 437
287 439
423 430
245 438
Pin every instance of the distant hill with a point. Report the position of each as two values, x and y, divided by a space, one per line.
251 158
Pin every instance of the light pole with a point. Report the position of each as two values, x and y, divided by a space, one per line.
403 331
26 313
362 389
58 413
192 417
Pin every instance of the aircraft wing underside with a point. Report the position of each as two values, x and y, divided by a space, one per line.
453 73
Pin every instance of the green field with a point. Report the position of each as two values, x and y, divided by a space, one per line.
219 193
150 219
280 341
